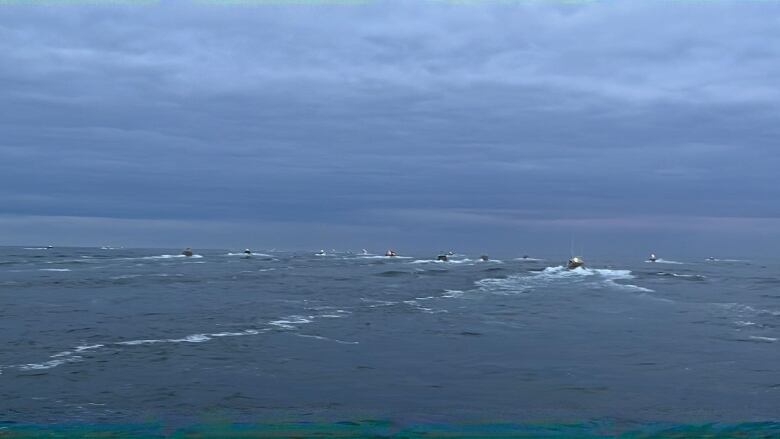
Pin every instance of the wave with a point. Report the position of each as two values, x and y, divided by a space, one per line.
73 355
528 259
54 269
523 283
251 254
289 322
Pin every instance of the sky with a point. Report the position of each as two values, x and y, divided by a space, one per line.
493 126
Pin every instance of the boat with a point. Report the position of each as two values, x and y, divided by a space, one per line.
390 253
442 257
187 252
248 252
364 252
484 258
652 257
320 253
575 262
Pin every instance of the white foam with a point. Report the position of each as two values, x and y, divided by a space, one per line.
36 248
88 347
378 303
170 257
744 323
140 342
47 364
54 269
452 293
289 322
251 254
528 259
339 313
664 261
550 275
767 339
195 338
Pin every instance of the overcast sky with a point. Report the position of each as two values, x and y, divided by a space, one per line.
633 126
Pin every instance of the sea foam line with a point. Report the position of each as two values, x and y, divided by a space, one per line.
70 356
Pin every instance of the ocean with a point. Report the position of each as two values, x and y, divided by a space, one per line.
94 337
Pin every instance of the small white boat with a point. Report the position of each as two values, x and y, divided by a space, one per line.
187 252
575 262
652 257
320 253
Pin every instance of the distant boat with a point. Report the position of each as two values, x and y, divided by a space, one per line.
575 262
364 252
484 258
49 247
442 257
248 252
187 252
390 253
320 253
652 257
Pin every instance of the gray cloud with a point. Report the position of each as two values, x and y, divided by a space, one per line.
330 114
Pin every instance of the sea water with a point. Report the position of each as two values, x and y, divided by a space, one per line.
117 336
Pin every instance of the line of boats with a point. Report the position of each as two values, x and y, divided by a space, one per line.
571 264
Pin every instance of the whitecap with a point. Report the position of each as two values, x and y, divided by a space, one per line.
195 338
140 342
766 339
47 364
452 293
88 347
54 269
289 322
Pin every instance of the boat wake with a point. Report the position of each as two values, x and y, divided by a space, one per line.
664 261
591 278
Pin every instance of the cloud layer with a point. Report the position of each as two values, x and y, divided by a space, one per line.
387 116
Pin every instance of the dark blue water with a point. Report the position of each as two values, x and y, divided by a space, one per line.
115 336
